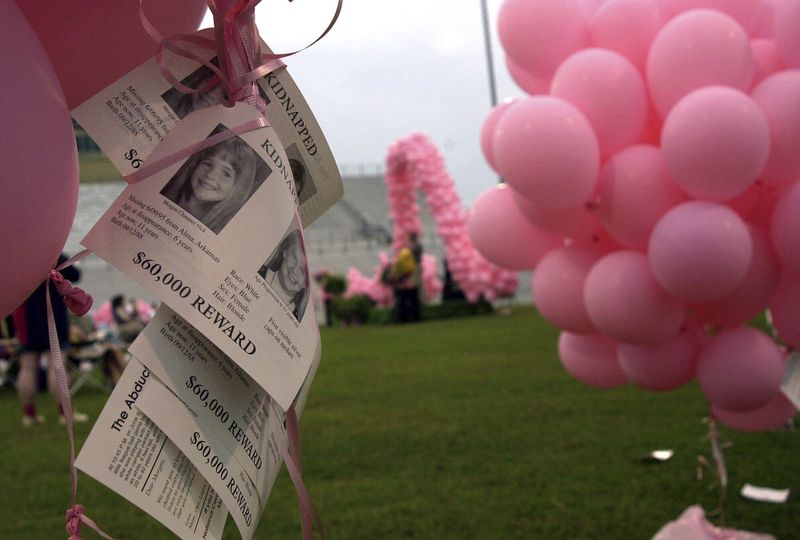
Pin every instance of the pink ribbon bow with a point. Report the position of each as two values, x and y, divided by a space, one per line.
76 299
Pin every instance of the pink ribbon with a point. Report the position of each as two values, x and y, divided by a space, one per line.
78 302
292 456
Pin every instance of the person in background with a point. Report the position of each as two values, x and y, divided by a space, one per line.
30 322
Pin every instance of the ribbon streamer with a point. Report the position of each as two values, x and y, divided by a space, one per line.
292 456
79 303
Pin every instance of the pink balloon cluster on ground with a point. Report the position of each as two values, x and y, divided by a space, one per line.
660 145
414 164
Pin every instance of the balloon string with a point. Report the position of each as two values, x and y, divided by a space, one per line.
79 302
292 456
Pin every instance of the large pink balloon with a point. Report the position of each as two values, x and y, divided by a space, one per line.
716 142
777 97
577 223
557 287
740 369
627 27
766 59
785 227
527 81
753 294
785 309
744 11
635 190
592 359
774 414
546 150
92 44
787 31
609 91
487 131
695 49
661 367
39 171
624 300
539 34
700 251
502 234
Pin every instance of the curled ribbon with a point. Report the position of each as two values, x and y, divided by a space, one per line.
76 299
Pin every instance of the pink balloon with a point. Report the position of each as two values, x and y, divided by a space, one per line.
716 142
487 131
661 367
786 26
785 309
651 134
740 369
592 359
502 234
785 227
764 25
591 6
757 203
774 414
557 288
546 150
92 44
695 49
627 27
766 59
700 251
635 190
624 300
577 223
528 82
753 294
746 12
609 90
777 97
39 174
539 34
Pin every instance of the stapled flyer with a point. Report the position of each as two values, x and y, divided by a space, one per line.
129 454
215 414
132 116
216 236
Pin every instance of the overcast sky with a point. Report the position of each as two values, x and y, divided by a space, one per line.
391 68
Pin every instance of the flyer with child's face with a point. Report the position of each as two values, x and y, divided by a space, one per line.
131 117
217 237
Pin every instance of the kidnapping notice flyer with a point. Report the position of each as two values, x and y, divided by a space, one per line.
216 414
130 455
217 238
131 117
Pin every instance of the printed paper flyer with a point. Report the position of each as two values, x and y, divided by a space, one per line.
217 238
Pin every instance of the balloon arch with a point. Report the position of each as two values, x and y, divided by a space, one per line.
414 163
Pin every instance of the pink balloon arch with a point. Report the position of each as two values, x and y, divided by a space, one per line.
413 163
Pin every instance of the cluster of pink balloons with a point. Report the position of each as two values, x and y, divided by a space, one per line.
653 181
414 164
58 54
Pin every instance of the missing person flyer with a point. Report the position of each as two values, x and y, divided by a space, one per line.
215 413
130 455
217 238
132 116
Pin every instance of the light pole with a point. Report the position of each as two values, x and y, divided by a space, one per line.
487 37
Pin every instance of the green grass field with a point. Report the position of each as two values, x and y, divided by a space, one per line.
95 167
455 429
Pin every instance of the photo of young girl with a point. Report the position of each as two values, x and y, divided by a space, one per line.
182 104
213 184
286 271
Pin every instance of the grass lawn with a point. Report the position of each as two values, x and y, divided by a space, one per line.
453 429
95 167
